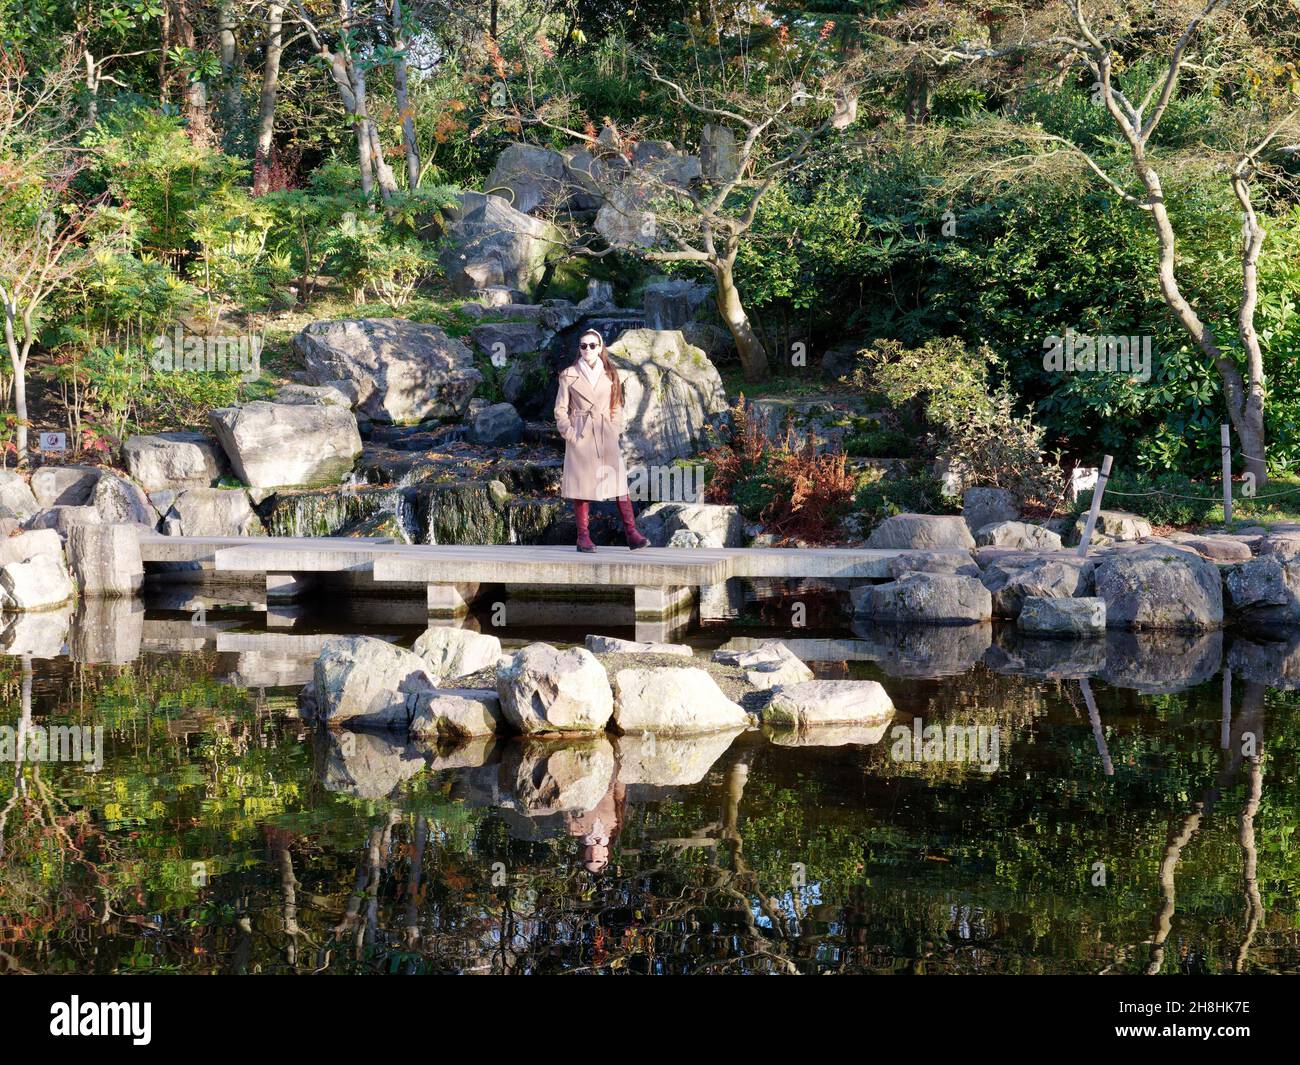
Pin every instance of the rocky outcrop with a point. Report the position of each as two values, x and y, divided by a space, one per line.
174 460
490 243
716 524
670 392
105 559
828 702
929 598
672 701
1160 589
545 690
119 501
401 371
450 652
274 445
362 682
923 532
64 486
528 177
1043 616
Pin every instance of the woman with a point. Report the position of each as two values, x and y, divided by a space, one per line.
589 414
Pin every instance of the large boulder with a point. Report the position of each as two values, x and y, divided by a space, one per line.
985 506
929 598
767 666
672 701
828 702
457 714
545 690
120 501
626 217
106 560
450 652
957 562
497 426
670 303
716 524
62 518
331 393
401 371
213 512
36 583
1114 525
364 682
1018 534
64 486
528 177
174 460
489 243
923 532
1160 589
670 391
1265 590
1012 578
274 445
16 497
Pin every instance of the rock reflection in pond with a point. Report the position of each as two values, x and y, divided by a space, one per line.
1046 659
41 633
107 631
1274 662
670 761
830 735
926 650
556 776
366 765
1160 663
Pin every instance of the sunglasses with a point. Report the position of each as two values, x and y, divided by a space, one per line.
593 346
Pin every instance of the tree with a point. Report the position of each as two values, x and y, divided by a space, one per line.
1113 45
656 206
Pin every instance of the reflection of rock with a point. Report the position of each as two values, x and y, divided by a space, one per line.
557 776
41 634
926 650
671 701
1161 662
107 631
830 735
1065 617
1263 661
366 765
670 761
1048 659
471 753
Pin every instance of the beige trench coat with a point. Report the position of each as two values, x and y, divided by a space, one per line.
593 461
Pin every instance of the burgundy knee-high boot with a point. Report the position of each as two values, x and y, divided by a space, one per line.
581 515
634 538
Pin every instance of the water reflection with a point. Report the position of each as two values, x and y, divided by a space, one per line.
1141 817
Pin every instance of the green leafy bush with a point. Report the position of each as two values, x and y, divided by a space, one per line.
913 493
1162 498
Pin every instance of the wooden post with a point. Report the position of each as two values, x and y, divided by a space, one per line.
1096 505
1226 440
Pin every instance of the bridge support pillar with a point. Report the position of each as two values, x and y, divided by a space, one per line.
451 600
664 611
286 587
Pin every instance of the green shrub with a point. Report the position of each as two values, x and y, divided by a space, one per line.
880 443
1163 498
918 493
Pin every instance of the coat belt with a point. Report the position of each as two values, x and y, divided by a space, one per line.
582 418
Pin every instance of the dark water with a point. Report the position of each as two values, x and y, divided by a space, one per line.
1128 825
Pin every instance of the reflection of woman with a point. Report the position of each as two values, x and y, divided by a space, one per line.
598 828
589 414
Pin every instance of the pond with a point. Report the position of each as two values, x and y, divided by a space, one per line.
1127 806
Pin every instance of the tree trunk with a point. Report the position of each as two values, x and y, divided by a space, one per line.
1251 430
231 98
403 98
753 357
266 104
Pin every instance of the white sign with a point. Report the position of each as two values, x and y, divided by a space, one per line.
54 442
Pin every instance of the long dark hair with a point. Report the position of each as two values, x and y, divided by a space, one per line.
615 385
